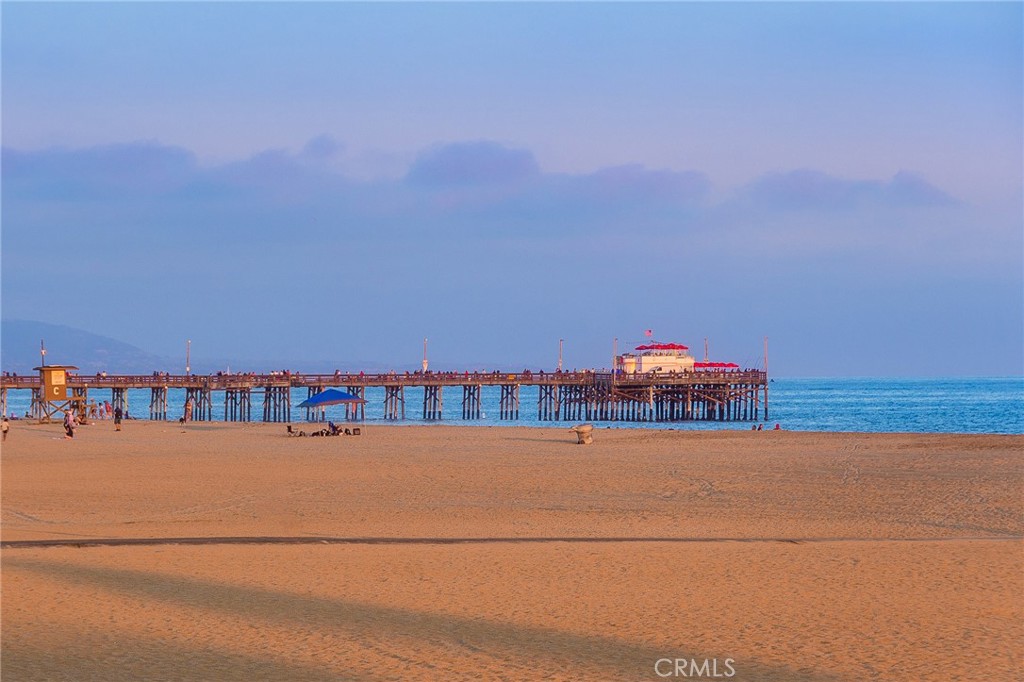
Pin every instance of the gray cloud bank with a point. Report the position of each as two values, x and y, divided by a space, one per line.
475 169
476 235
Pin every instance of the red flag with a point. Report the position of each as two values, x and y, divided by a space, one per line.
648 332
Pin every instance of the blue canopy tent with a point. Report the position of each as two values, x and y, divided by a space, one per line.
331 396
319 402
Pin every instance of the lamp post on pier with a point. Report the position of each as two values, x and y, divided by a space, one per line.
615 353
766 380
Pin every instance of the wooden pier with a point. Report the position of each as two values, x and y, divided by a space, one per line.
740 395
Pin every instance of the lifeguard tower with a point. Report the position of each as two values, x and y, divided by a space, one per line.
53 391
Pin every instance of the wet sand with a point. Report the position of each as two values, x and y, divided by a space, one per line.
776 556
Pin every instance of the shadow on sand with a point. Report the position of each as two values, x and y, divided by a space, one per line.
547 651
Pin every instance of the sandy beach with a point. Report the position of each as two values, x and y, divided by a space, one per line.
495 553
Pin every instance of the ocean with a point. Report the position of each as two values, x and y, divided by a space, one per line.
952 405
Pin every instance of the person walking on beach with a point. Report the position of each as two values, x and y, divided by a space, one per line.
69 425
5 426
188 411
117 418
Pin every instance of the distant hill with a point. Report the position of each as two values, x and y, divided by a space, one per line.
91 353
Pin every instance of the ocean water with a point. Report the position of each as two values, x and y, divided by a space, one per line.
989 405
956 405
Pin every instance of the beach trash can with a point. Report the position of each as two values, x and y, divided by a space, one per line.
583 434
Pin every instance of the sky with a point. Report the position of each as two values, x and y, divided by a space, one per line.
327 184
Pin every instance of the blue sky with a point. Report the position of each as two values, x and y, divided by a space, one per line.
334 181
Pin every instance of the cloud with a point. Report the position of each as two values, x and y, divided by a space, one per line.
472 163
635 183
322 148
477 190
61 173
911 189
274 176
805 189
